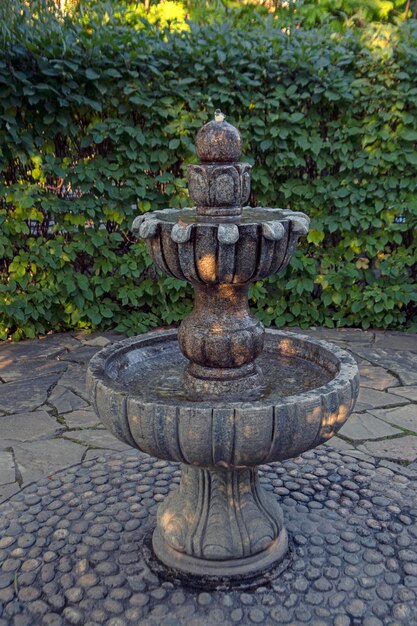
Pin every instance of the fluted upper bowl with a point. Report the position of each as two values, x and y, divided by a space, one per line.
311 389
257 245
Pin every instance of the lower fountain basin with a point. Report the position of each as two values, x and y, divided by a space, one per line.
311 388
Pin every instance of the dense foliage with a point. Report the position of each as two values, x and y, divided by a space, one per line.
302 13
97 119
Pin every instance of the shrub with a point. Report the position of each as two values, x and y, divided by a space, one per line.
97 118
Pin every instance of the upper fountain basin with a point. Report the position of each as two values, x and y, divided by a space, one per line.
311 388
253 246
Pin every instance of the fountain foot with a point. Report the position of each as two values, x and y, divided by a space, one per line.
220 522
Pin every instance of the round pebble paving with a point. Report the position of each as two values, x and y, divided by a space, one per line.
72 549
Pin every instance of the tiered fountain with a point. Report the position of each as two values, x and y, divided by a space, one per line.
222 396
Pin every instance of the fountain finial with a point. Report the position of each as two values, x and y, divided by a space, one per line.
218 141
219 185
218 116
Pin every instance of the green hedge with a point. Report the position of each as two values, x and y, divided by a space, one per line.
96 121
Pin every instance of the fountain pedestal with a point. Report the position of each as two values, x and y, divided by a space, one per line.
234 397
220 522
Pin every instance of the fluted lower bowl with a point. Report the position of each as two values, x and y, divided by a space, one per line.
311 388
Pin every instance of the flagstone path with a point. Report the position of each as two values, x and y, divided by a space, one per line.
47 422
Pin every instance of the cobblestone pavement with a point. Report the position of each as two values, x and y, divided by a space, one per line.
74 549
47 423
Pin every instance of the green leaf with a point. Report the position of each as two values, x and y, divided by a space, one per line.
92 74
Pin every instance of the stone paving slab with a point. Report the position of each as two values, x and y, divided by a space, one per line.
34 426
50 346
19 368
81 355
398 449
395 340
44 379
409 392
74 379
97 438
365 426
84 418
401 363
74 550
27 394
376 377
65 400
404 417
372 399
37 459
7 468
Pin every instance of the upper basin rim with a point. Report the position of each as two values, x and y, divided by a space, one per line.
347 371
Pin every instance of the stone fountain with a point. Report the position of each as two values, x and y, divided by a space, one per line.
222 395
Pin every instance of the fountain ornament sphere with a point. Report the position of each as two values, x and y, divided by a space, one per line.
221 395
218 141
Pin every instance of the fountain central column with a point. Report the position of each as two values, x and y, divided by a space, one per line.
221 339
220 522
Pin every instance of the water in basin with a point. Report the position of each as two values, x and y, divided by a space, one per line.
154 373
249 216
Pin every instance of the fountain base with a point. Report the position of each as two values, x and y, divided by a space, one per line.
232 570
220 522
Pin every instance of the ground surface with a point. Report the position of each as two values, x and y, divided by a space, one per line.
74 542
73 549
47 423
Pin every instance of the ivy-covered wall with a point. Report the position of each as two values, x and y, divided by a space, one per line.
96 122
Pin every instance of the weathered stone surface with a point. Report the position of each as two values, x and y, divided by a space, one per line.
97 342
18 369
184 542
28 426
111 335
96 438
398 449
362 426
36 460
74 379
49 346
28 394
410 470
339 444
7 470
346 335
93 453
219 189
405 416
218 141
83 418
395 340
9 490
403 363
376 377
81 354
65 400
409 392
371 399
